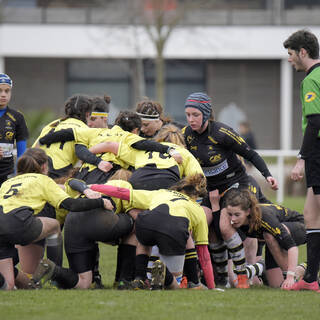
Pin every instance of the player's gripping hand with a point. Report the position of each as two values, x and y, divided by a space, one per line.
105 166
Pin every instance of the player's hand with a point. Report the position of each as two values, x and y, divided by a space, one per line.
214 198
298 170
90 194
177 156
105 166
1 153
273 183
107 204
288 283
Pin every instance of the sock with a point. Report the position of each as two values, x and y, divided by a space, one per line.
190 268
219 254
95 271
313 255
65 278
254 270
55 248
141 266
128 255
179 279
168 278
3 283
236 251
118 267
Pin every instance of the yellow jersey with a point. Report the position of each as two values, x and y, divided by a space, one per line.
62 154
31 190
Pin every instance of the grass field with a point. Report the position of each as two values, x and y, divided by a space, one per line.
255 303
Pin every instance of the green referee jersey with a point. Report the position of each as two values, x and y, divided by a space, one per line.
310 96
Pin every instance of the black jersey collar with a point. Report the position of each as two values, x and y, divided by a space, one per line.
313 67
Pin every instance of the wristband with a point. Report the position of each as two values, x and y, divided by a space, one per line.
291 273
172 152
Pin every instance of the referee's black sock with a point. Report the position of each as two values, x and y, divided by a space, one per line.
313 255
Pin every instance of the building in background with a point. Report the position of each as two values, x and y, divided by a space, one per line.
231 49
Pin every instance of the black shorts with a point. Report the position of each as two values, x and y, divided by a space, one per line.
312 171
96 175
152 178
83 229
243 183
298 233
158 227
17 227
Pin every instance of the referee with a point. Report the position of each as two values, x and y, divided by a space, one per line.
303 50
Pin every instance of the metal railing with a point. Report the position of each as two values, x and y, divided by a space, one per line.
279 168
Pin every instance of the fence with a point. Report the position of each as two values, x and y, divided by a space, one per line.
279 169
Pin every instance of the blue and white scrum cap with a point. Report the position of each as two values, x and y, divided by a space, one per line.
5 79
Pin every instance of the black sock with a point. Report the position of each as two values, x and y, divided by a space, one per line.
128 256
3 284
190 268
96 258
55 253
118 266
313 255
168 278
66 278
141 266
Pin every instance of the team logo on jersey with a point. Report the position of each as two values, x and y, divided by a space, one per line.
310 96
189 139
216 158
9 135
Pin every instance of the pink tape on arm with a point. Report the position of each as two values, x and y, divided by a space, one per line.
206 265
112 191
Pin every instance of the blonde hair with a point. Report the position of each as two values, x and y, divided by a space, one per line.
246 201
121 174
170 133
194 186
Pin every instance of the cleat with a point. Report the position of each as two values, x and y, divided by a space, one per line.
158 274
43 272
243 281
196 286
184 283
124 285
139 284
303 285
97 282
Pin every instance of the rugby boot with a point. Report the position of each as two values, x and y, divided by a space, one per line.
44 272
158 274
243 281
303 285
